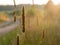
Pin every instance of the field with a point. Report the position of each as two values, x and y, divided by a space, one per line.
41 29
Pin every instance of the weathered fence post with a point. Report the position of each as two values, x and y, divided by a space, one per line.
23 20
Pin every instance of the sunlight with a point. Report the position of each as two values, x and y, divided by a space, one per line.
39 2
56 2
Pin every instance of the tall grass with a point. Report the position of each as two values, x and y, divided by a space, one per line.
34 34
50 24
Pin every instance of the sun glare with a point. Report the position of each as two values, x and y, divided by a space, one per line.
56 2
39 2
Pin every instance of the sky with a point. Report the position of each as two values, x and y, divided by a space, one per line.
39 2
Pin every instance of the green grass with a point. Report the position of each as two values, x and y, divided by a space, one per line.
10 37
1 21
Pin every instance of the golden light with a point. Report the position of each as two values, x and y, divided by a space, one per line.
39 2
56 2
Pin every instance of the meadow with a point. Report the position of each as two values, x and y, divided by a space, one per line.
37 21
42 28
